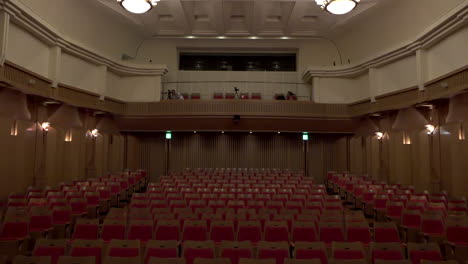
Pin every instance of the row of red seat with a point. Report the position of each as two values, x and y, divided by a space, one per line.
193 252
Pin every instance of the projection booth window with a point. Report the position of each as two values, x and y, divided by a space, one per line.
237 62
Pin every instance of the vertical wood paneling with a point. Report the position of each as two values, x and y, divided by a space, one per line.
236 150
434 163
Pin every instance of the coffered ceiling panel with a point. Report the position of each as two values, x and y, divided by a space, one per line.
242 18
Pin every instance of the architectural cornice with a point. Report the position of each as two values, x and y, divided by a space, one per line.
24 18
445 26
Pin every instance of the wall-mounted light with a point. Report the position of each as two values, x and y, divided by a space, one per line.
168 134
430 129
222 132
45 126
68 135
379 135
406 138
14 128
305 136
194 132
250 132
95 133
279 132
461 132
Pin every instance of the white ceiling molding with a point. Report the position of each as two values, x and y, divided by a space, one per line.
444 27
26 19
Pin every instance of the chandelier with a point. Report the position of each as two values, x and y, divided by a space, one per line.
338 7
138 6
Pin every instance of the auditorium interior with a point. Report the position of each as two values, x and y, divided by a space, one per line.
234 132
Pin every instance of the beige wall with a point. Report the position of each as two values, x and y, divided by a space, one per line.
35 158
27 51
237 150
88 23
317 52
388 26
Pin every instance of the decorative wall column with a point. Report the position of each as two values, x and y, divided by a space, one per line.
55 64
421 68
102 82
4 28
373 83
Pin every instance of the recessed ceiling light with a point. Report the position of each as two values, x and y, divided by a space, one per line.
250 132
338 7
190 37
221 37
284 37
194 132
279 132
222 132
253 37
138 6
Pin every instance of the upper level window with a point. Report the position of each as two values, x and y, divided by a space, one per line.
237 62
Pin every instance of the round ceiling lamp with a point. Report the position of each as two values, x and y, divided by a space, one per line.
138 6
338 7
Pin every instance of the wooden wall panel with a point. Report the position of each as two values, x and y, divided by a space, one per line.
17 157
238 150
34 157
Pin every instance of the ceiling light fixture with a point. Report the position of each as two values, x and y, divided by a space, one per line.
338 7
138 6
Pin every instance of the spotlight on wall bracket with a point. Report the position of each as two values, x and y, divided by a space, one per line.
430 129
45 126
379 135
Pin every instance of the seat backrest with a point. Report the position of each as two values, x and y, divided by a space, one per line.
304 231
386 233
76 260
29 260
235 250
386 251
165 261
348 250
87 248
222 230
310 250
276 231
358 232
161 249
140 230
86 229
276 250
197 249
48 247
393 262
249 231
113 229
428 251
331 231
124 248
211 261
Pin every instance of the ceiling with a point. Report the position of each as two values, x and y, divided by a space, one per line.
237 18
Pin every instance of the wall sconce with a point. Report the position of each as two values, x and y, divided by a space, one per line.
406 138
461 132
45 126
430 129
14 128
68 135
379 135
94 133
